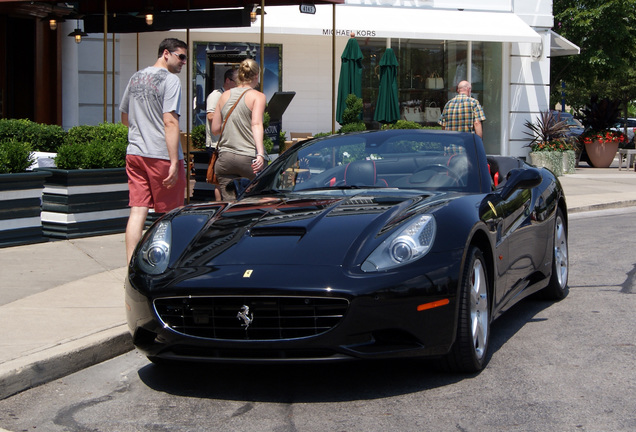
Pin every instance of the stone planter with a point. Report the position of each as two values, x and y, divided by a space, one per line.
83 203
20 208
550 160
601 155
569 162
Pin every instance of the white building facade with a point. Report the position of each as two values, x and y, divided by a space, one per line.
502 47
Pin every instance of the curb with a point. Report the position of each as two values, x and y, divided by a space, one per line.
62 360
604 206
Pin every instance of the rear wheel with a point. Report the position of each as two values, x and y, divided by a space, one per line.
469 352
557 288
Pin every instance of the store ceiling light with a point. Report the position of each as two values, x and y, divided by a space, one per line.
53 21
78 33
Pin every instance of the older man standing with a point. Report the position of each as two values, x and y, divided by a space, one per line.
463 113
150 108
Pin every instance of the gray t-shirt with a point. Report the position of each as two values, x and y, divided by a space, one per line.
150 93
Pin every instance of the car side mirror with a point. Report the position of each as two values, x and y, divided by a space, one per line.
521 178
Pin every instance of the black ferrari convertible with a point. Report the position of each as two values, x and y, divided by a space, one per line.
381 244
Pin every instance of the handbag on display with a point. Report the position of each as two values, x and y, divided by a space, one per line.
432 113
434 82
210 176
413 114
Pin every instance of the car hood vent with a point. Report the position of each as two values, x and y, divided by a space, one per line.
276 231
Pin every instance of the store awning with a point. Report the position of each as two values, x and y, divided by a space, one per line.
400 22
560 46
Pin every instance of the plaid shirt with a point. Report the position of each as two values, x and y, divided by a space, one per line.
460 114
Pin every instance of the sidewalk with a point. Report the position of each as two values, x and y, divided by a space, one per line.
62 302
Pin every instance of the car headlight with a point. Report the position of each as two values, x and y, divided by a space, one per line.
154 254
403 246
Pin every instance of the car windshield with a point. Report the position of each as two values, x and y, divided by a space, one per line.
571 121
407 159
568 119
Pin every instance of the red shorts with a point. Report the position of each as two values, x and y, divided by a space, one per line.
145 188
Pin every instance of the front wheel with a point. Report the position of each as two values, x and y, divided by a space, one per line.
469 352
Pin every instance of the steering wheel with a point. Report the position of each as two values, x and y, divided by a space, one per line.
441 169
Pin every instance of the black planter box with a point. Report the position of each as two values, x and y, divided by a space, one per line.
20 208
83 203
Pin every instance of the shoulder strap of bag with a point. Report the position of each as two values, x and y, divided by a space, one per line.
228 116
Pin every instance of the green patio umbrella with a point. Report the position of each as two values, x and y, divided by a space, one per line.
350 76
387 108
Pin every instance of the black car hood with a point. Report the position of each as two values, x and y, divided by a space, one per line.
293 230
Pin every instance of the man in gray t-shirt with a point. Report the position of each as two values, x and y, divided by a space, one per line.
150 108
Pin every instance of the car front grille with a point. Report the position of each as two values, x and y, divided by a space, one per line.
270 318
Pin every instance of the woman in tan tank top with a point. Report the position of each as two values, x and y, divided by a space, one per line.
238 118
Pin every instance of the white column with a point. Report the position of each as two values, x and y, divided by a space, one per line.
70 76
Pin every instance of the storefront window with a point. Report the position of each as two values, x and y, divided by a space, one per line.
214 58
428 75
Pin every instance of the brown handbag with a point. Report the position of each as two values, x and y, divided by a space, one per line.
210 176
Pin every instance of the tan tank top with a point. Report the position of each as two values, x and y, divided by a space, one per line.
237 136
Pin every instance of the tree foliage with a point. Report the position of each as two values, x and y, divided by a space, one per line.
605 30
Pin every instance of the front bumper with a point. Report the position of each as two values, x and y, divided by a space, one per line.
342 315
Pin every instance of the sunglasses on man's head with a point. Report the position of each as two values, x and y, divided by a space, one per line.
182 57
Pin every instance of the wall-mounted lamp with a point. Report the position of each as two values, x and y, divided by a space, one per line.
148 12
256 11
78 33
53 21
253 14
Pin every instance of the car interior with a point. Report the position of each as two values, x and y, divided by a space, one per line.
401 162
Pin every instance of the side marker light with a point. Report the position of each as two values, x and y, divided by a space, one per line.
432 305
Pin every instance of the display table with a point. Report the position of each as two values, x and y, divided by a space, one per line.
628 155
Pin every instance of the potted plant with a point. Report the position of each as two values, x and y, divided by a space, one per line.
600 142
23 144
44 139
351 115
199 160
87 194
550 147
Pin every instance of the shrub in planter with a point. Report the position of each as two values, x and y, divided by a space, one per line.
88 193
84 134
81 134
42 137
94 147
94 155
402 124
15 156
198 137
351 115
